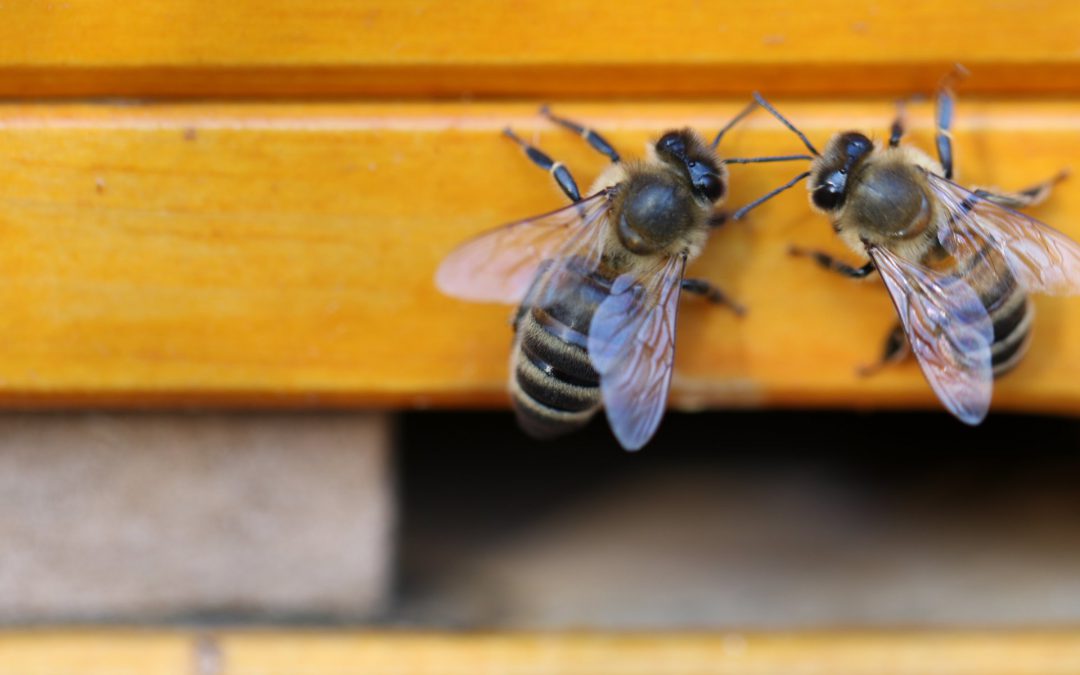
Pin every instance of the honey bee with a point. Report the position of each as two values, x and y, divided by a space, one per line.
597 283
959 264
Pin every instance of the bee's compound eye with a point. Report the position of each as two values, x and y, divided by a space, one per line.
671 142
711 186
827 198
830 190
856 145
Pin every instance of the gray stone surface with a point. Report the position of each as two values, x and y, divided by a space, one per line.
144 516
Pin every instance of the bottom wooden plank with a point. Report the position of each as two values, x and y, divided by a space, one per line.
343 653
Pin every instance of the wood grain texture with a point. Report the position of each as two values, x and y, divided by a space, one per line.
344 653
283 254
530 47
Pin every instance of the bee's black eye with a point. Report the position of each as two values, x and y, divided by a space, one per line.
711 186
856 145
830 190
827 198
672 143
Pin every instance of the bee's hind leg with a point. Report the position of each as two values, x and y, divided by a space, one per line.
1030 196
558 170
896 350
712 294
598 142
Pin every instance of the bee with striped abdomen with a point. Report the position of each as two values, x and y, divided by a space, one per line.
598 282
958 264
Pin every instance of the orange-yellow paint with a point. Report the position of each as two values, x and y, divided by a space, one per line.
531 47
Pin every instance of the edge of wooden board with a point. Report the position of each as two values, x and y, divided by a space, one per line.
440 81
244 652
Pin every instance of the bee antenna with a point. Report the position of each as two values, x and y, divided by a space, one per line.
783 120
761 200
735 120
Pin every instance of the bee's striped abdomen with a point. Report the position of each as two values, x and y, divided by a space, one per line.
1008 305
552 382
1011 314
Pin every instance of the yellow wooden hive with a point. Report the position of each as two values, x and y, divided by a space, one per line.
280 250
243 203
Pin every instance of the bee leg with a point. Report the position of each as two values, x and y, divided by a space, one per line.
557 170
830 263
598 142
1036 194
945 105
896 132
896 350
712 294
943 138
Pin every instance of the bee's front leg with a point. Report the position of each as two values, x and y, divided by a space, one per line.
712 294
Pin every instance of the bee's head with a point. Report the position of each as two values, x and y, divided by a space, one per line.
842 157
686 153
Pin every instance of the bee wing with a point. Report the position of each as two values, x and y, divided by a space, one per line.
499 265
1040 257
632 347
948 329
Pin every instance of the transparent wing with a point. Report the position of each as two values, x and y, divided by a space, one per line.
948 329
1040 257
632 347
499 265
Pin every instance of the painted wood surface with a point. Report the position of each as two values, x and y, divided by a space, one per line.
425 48
283 254
274 652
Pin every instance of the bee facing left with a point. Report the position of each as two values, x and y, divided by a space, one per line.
958 263
597 282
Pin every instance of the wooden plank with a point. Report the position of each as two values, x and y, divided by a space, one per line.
837 654
283 254
531 47
96 652
343 653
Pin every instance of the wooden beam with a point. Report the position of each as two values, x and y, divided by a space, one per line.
344 653
283 254
429 48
